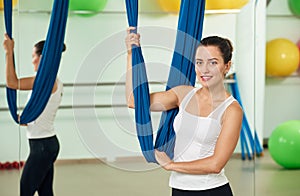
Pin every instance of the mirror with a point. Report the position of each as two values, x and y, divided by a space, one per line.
99 152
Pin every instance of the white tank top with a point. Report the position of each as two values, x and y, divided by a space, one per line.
196 138
43 126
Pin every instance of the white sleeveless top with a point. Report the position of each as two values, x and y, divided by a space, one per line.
43 126
196 138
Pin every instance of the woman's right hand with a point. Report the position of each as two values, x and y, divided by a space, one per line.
132 39
19 119
8 44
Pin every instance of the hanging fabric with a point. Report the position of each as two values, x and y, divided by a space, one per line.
182 72
49 64
247 138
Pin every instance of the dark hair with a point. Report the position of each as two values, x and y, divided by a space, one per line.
223 44
40 45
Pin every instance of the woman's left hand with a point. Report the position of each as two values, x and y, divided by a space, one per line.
163 160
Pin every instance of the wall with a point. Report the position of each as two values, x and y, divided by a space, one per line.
282 94
96 53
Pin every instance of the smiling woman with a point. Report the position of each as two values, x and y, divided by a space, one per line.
214 47
207 125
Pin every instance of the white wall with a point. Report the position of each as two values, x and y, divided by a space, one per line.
250 63
282 94
96 53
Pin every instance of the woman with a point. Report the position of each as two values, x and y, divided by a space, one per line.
207 125
38 171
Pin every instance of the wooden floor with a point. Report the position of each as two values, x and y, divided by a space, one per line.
262 177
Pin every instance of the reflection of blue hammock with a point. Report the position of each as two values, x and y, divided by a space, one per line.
48 68
246 137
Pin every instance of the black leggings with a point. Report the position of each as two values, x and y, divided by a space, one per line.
38 171
224 190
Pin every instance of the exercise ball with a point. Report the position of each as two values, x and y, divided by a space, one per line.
284 144
298 44
169 5
89 5
14 3
294 6
225 4
282 57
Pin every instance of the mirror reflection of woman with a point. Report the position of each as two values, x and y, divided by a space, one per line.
37 174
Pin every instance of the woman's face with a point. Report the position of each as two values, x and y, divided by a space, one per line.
209 66
35 59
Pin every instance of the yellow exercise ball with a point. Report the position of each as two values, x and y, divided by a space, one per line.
282 57
169 5
225 4
14 2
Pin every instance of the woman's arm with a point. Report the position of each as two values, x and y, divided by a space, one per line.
227 141
159 101
12 81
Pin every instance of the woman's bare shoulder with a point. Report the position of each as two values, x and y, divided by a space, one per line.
182 90
235 108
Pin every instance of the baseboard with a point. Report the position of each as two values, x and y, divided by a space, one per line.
78 161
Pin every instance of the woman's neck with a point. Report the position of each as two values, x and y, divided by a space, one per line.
216 94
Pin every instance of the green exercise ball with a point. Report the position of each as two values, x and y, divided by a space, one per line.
294 6
284 144
87 5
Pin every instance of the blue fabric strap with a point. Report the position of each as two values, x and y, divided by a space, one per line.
140 89
247 138
49 64
182 72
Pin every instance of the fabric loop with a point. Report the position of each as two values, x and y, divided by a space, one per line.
49 65
189 34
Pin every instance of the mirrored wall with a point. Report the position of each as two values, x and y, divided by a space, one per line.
99 150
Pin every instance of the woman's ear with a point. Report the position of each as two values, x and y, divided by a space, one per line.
228 66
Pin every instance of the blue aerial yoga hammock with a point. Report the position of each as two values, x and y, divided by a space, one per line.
49 64
182 72
246 138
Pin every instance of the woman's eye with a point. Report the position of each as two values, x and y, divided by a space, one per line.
213 62
199 63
